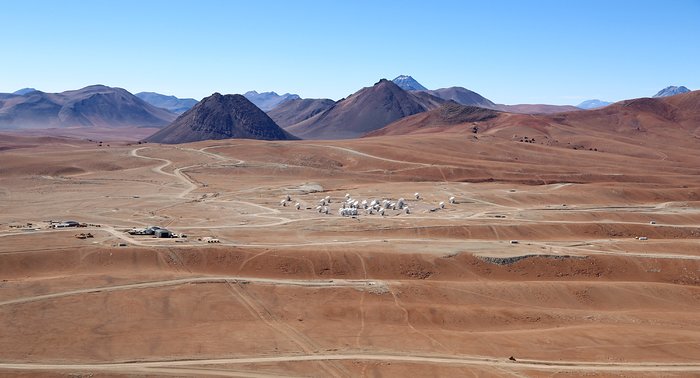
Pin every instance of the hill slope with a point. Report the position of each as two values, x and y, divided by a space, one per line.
638 118
93 106
297 110
436 120
367 110
221 117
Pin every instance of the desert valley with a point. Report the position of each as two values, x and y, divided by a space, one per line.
396 232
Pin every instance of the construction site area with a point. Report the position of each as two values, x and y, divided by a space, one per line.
411 256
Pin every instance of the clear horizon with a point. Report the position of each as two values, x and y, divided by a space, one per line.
510 52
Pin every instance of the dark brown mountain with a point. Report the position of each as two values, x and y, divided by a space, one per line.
367 110
294 111
93 106
221 117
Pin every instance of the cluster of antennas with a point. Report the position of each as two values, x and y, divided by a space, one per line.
352 207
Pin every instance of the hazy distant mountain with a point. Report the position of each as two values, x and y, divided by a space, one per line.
536 108
170 103
366 110
408 83
268 100
463 96
297 110
671 91
593 104
93 106
221 117
23 91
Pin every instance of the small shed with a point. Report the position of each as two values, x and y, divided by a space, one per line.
65 224
163 233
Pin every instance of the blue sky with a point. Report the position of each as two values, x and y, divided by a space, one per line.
557 52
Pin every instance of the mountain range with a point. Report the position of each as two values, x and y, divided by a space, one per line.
221 117
169 103
93 106
643 117
666 92
374 107
366 110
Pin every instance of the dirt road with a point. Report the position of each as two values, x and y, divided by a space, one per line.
572 366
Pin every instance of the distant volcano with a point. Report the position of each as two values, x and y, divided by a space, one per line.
408 83
671 91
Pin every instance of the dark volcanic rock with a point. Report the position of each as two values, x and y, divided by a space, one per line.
221 117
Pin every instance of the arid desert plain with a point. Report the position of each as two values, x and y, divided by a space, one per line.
551 261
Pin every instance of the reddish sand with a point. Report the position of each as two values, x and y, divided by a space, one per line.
291 292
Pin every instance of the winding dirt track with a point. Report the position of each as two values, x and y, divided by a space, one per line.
199 280
128 238
355 152
177 172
